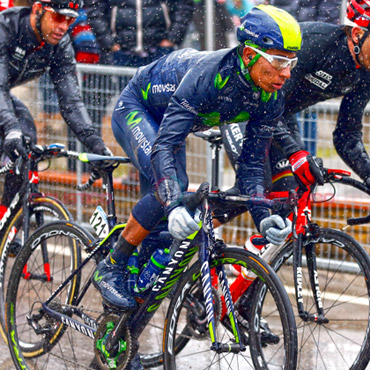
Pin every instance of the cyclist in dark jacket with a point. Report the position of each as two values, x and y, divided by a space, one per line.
32 40
189 91
334 61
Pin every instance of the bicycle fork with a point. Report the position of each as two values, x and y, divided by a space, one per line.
207 291
313 276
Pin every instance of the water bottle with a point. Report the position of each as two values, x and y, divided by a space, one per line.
158 262
133 270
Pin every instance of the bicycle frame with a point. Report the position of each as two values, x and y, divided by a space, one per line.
301 205
182 254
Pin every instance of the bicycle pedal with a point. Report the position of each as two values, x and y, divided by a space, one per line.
267 336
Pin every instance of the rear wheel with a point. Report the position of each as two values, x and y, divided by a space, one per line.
344 279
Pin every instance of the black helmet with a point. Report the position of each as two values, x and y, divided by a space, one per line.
68 8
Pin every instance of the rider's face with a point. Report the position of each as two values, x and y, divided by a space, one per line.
53 25
365 54
266 76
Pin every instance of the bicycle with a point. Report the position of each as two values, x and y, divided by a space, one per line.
333 275
28 210
49 319
326 287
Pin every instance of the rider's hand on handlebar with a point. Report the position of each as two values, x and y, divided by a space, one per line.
275 229
13 145
306 168
181 224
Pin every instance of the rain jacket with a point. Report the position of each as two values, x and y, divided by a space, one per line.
189 91
138 25
23 58
326 70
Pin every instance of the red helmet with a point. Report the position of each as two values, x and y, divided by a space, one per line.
358 13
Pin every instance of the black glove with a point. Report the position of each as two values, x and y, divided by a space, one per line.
97 146
13 145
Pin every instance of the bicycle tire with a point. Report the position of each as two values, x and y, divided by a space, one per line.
181 318
63 240
344 342
50 207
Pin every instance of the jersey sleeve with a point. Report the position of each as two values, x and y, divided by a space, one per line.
191 96
250 166
8 119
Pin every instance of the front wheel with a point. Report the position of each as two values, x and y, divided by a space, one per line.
343 274
186 323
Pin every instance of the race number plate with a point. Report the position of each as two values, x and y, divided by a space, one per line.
99 222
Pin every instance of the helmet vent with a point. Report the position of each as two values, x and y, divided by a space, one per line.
267 41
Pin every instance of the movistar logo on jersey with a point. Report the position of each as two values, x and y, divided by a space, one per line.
138 134
145 92
219 82
161 88
98 278
131 121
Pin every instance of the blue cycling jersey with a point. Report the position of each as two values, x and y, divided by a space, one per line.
188 91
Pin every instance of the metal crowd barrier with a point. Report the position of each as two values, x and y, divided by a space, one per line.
101 86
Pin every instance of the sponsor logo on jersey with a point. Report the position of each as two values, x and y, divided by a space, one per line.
137 133
219 82
187 106
19 53
320 79
145 92
284 163
163 88
225 98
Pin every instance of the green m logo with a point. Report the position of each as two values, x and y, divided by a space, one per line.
97 278
145 93
219 82
131 121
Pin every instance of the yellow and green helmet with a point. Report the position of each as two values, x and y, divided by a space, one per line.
270 28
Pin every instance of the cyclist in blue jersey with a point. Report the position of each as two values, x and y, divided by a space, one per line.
188 91
334 61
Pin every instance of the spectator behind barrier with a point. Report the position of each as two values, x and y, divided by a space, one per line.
126 39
